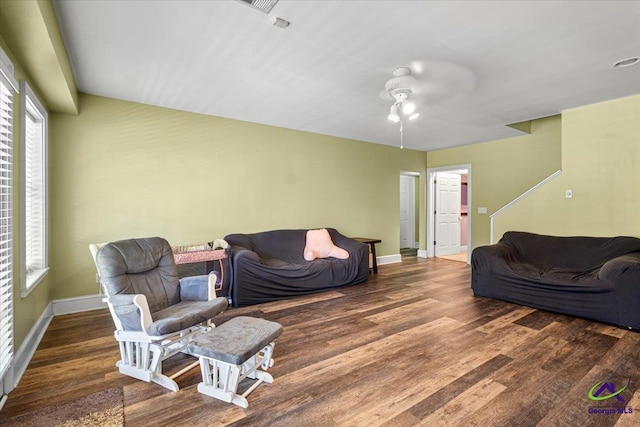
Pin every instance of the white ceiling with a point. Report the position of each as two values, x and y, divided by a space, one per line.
325 72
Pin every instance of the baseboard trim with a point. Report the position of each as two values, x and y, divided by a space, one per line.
388 259
422 253
77 304
30 344
25 353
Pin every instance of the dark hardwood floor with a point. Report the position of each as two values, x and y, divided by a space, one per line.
410 347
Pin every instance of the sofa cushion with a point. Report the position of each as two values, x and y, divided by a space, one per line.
575 253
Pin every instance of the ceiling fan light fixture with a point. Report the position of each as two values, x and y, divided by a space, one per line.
400 88
400 95
394 115
408 108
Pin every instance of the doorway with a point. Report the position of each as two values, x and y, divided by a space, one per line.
408 213
448 205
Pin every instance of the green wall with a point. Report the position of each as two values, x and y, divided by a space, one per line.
121 170
27 309
31 29
502 170
601 156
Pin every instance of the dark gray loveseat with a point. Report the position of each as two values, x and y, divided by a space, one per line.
592 277
270 265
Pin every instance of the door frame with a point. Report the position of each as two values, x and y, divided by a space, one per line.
448 219
412 214
431 176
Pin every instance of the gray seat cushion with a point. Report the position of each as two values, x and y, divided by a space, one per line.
185 314
237 340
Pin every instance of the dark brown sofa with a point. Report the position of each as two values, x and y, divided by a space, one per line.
270 265
596 278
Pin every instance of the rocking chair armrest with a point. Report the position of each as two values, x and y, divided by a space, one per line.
198 288
211 286
121 299
132 311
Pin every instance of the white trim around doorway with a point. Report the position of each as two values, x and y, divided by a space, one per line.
431 175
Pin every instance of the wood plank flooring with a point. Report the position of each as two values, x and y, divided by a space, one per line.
410 347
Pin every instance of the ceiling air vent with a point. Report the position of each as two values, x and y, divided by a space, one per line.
263 6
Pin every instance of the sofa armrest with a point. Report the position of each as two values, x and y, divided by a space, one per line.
625 268
130 312
244 253
238 240
358 254
623 274
484 257
198 288
354 247
485 260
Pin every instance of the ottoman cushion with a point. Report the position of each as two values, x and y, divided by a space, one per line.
236 340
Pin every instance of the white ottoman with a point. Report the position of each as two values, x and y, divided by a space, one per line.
238 349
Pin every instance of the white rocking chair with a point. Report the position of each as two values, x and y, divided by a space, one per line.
155 313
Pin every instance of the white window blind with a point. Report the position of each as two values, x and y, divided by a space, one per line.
33 188
7 90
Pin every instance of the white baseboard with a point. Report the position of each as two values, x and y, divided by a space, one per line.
28 348
388 259
77 304
422 253
463 248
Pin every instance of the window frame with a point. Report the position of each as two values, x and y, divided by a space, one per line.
7 266
30 104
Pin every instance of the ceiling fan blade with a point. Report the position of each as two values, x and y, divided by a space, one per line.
432 82
466 117
441 81
386 95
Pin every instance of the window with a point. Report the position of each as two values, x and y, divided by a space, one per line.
33 187
8 87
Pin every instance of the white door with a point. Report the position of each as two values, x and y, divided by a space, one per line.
407 211
447 214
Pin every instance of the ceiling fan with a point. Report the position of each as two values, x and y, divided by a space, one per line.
400 88
424 83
